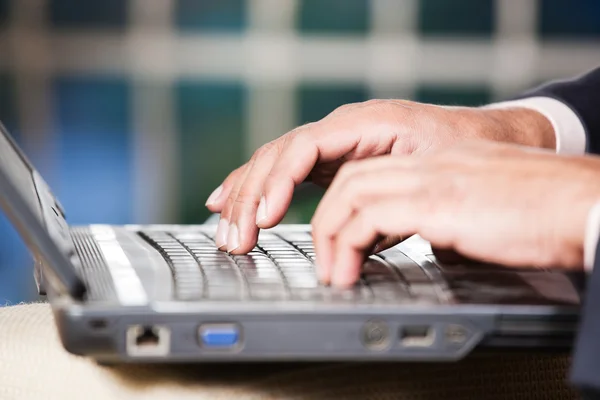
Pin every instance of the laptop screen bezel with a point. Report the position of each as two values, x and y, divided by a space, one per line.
47 238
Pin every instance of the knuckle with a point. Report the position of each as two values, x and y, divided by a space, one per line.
375 103
383 106
265 149
297 131
234 175
300 138
229 202
351 192
343 109
246 199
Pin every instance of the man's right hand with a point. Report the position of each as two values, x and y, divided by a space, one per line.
258 194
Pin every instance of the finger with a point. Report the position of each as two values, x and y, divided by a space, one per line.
217 198
366 182
244 212
382 243
222 235
398 216
320 142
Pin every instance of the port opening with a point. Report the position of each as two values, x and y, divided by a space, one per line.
98 323
417 336
220 336
148 340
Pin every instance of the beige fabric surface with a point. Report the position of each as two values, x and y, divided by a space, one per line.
33 365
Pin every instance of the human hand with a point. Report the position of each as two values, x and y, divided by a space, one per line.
491 202
258 194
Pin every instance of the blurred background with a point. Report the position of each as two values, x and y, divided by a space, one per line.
135 110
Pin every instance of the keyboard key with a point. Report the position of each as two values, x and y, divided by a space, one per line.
263 280
374 267
305 283
274 270
424 291
307 294
389 291
354 294
210 269
414 275
295 236
221 276
298 266
224 293
264 273
267 291
398 259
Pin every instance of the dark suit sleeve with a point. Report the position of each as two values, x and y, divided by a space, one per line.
582 95
585 372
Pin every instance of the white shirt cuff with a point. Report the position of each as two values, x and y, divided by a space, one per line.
568 128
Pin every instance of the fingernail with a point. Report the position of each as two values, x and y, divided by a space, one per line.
222 232
261 213
233 239
214 195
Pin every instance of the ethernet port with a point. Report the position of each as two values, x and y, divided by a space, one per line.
148 341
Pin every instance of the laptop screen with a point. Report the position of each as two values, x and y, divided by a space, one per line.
20 175
31 207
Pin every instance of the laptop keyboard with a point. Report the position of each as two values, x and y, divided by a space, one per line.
281 267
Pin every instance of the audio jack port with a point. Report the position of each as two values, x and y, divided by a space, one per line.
376 335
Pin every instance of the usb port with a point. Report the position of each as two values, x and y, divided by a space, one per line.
417 336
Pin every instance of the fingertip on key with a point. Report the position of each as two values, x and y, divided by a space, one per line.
341 277
323 274
233 238
261 212
222 233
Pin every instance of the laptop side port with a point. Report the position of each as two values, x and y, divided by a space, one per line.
148 341
375 335
417 335
219 336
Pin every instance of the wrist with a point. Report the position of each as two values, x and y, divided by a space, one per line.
580 196
520 126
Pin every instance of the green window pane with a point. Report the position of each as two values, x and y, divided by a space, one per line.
569 18
316 101
456 17
462 96
211 138
88 14
212 15
333 16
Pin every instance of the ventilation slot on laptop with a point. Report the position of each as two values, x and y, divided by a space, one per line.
94 269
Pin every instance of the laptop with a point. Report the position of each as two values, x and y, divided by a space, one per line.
164 293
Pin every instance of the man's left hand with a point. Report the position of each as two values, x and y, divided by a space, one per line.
491 202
